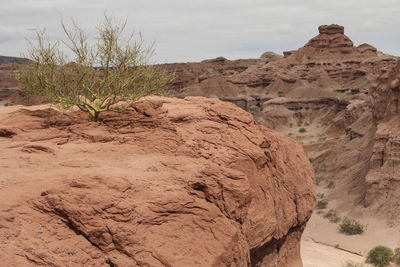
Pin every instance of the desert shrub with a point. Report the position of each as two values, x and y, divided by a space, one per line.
306 124
281 94
353 264
299 123
351 227
320 195
320 168
332 216
98 76
302 130
319 212
331 184
380 256
321 204
396 256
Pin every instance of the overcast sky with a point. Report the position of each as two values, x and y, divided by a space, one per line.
193 30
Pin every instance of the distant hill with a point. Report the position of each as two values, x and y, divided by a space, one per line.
17 60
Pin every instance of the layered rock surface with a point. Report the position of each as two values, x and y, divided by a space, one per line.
189 182
320 82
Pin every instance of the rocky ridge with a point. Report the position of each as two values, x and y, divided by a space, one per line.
11 60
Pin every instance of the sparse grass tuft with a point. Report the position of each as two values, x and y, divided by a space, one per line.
321 204
396 257
331 185
351 227
320 168
332 216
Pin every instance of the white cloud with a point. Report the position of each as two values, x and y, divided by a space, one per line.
198 29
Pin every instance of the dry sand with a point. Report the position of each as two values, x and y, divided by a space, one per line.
321 236
319 255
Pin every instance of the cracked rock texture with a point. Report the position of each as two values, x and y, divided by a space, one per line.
171 182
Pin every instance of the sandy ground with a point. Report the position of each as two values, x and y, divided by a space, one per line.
377 233
321 236
320 255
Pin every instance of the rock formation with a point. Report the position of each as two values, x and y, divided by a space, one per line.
383 177
328 66
328 87
209 77
171 182
324 88
331 36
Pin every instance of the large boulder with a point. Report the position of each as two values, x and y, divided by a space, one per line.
171 182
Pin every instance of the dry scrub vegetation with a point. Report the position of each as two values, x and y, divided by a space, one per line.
113 70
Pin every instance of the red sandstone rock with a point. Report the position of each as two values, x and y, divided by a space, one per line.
190 182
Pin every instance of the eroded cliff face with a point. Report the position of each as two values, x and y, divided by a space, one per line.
383 178
313 83
171 182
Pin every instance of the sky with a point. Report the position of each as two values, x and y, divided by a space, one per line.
194 30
